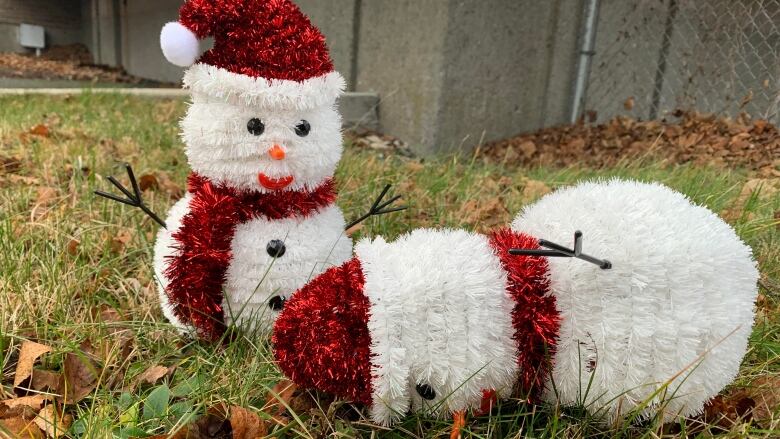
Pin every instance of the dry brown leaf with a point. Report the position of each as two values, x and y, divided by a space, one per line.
174 191
34 402
21 179
53 422
729 409
120 241
79 375
28 354
528 148
629 103
45 381
211 426
40 130
354 229
765 391
280 397
19 428
152 375
73 247
246 424
534 190
148 182
10 164
46 195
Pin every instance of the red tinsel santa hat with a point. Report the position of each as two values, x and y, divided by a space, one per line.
266 52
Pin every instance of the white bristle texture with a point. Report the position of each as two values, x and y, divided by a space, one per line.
666 328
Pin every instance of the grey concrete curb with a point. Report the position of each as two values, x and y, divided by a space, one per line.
160 93
359 110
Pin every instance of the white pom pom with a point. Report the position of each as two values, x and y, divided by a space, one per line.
179 44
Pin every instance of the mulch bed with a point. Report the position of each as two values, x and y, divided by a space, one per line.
72 62
689 137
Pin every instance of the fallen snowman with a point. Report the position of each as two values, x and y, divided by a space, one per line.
654 319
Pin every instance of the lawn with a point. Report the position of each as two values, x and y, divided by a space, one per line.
76 275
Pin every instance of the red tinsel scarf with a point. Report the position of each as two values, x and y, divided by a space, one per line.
535 317
196 274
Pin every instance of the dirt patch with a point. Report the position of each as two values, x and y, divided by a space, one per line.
72 62
688 137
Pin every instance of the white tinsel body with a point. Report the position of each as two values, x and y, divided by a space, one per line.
440 316
669 324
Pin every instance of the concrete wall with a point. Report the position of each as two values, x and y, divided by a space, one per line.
337 19
452 74
62 20
141 23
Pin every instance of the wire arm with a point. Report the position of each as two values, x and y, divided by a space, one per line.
379 208
559 251
134 198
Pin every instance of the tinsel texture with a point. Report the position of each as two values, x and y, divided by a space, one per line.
535 318
197 272
321 340
269 39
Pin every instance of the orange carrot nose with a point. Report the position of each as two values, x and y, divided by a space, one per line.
277 153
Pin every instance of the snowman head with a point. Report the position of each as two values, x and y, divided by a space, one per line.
263 114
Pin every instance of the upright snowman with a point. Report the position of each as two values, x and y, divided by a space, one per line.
263 138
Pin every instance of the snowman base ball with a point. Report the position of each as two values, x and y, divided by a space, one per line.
454 314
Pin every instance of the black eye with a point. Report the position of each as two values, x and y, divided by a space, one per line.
276 303
426 392
255 126
303 128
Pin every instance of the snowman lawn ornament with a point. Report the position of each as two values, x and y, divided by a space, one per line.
263 139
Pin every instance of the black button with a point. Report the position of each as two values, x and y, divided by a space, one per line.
426 391
276 303
276 248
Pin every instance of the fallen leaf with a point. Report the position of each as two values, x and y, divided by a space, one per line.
35 402
174 191
21 179
46 195
28 354
528 148
19 428
73 247
10 164
53 422
354 229
629 103
727 410
79 375
280 396
45 381
246 424
152 375
120 241
40 130
211 426
535 189
147 182
765 391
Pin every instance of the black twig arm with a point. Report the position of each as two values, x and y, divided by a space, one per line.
133 198
379 208
559 251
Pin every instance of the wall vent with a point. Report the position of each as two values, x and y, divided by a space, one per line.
32 37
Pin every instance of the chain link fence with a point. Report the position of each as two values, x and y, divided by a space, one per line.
655 56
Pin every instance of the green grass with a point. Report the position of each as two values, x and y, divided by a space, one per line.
50 294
